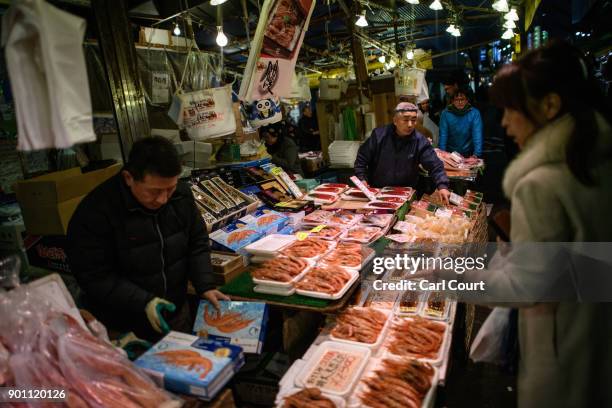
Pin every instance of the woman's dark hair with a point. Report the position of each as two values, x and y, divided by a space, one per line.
275 129
153 155
557 68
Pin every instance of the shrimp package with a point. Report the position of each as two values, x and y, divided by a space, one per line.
266 221
235 236
238 323
190 365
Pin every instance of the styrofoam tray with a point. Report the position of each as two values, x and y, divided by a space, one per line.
355 220
338 402
355 402
285 285
270 245
313 362
344 236
381 335
388 218
338 295
330 247
328 238
274 290
373 205
436 362
319 201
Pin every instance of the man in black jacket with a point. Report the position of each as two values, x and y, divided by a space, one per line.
392 154
136 240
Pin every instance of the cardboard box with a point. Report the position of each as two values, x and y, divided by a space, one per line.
47 252
11 236
47 202
248 330
163 363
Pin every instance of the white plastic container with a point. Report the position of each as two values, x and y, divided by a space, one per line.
280 401
274 290
342 387
335 296
381 336
285 285
330 246
433 361
270 245
355 402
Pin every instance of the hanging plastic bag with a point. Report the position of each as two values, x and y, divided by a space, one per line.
330 89
409 81
204 114
490 342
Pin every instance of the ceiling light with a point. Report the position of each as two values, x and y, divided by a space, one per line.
221 37
456 32
382 59
501 6
451 28
361 21
508 34
436 5
177 30
512 15
217 2
410 55
392 63
412 1
510 24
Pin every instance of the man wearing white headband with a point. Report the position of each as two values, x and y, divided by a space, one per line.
392 154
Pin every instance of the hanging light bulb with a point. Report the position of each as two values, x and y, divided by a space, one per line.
410 54
177 29
217 2
382 59
512 15
361 21
510 24
436 5
456 32
412 1
392 63
508 34
221 37
451 28
501 6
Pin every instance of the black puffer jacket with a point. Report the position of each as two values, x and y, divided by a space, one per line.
124 255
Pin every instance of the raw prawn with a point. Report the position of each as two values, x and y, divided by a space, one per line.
188 359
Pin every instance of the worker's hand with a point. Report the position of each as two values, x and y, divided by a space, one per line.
444 195
213 296
154 311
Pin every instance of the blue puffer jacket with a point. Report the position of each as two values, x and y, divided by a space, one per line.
461 133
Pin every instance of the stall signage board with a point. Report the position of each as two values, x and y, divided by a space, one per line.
160 87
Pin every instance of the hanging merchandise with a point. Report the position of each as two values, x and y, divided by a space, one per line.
349 123
300 88
330 89
265 112
275 49
52 100
204 114
409 81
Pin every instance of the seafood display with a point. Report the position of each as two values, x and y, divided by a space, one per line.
227 322
209 203
281 269
346 254
398 383
343 218
409 302
382 205
327 198
317 217
308 248
376 220
329 232
436 305
187 359
334 190
416 337
324 279
362 325
231 192
362 234
334 185
267 219
214 191
391 199
307 398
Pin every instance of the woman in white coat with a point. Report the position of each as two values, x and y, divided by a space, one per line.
560 187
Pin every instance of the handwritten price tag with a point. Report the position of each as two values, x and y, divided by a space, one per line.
302 235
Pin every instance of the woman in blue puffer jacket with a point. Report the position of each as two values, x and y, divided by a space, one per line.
461 127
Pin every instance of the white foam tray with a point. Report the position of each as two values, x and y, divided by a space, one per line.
384 352
338 402
313 361
381 335
284 285
270 245
335 296
273 290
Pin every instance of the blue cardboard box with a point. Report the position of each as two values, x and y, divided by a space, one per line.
186 364
242 324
